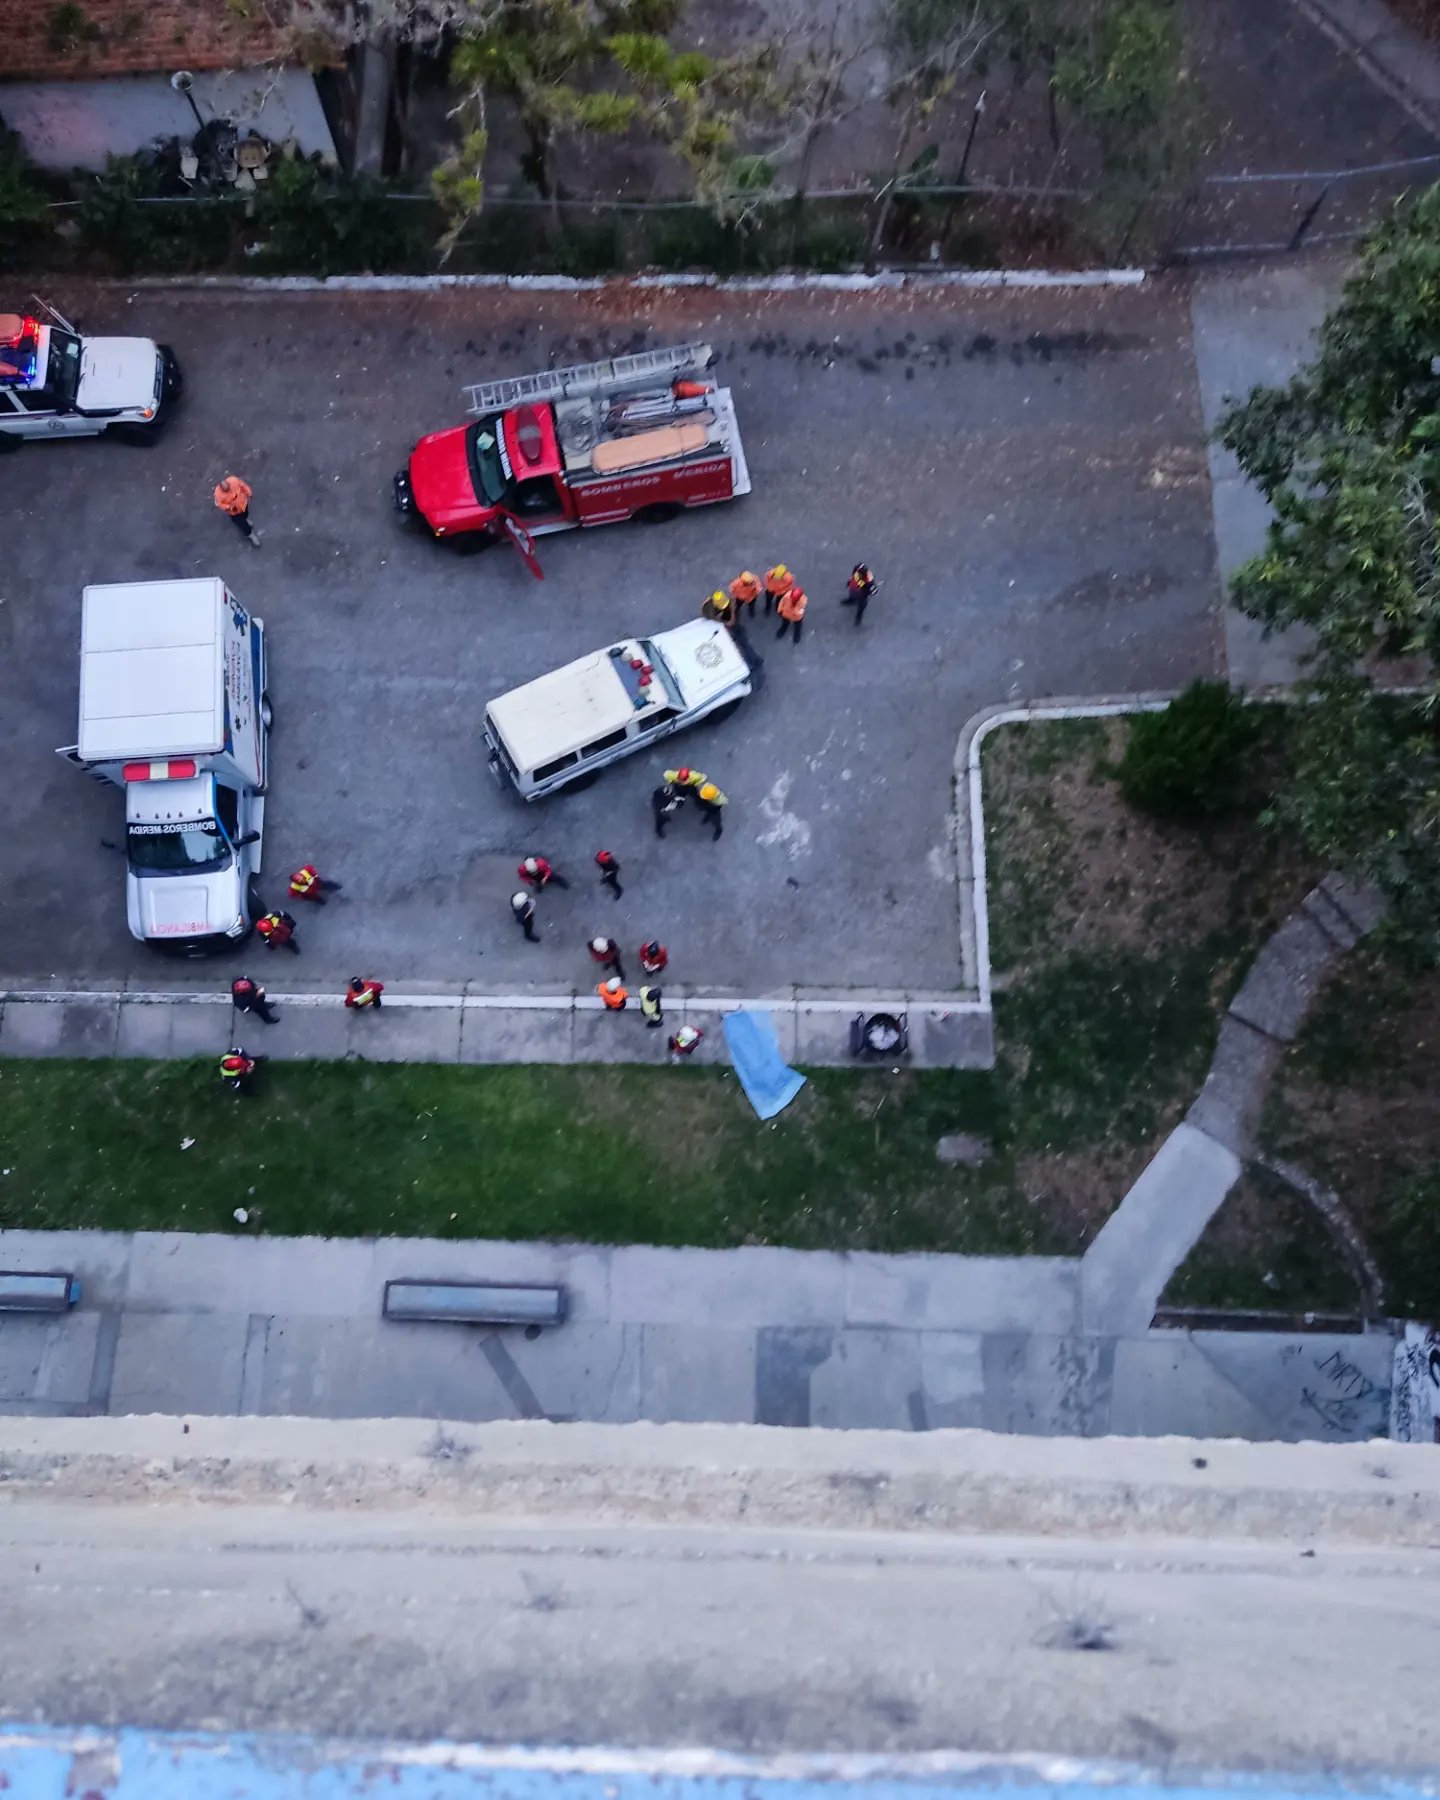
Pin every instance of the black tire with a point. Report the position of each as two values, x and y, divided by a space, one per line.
471 543
723 712
9 442
267 711
661 513
146 436
581 782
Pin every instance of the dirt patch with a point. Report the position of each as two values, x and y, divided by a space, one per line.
1111 878
1422 16
1266 1250
1077 1191
1356 1104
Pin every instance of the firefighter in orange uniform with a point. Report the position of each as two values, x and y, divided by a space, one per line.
232 496
792 612
745 590
778 583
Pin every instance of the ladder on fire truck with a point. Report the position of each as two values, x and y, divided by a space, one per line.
615 374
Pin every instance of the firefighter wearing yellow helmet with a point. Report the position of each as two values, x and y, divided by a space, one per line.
712 803
719 607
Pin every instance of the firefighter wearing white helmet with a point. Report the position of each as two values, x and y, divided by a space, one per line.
523 908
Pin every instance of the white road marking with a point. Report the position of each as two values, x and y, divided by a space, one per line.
785 828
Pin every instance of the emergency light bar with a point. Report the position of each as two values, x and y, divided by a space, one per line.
19 349
177 769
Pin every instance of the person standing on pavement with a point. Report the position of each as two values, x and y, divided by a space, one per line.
307 883
859 590
792 612
609 867
719 607
539 873
680 780
232 496
361 993
277 929
683 1042
613 994
711 803
653 957
664 804
778 583
745 591
523 908
247 996
606 952
650 1007
237 1069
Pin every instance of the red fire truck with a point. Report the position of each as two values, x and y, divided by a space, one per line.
632 437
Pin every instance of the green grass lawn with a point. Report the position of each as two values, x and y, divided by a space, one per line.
604 1154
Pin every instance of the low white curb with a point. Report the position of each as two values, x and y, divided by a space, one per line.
1016 715
863 1001
885 280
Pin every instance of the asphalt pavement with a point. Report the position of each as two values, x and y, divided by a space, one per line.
1026 473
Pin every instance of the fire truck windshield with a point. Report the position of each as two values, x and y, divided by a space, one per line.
487 464
176 847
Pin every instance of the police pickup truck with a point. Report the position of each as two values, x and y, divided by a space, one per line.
56 383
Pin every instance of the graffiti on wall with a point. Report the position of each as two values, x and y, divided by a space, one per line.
1415 1391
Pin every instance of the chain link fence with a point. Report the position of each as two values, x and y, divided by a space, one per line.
974 225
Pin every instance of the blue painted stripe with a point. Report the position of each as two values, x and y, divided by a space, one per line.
46 1763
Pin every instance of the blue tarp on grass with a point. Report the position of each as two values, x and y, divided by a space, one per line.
769 1082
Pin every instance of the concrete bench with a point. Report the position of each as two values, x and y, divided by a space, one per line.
474 1303
32 1291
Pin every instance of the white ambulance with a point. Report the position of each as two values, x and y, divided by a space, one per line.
174 710
55 383
564 727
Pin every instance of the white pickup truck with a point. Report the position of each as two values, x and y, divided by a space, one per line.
564 727
174 710
56 383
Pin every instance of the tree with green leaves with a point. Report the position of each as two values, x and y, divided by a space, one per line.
1116 69
1348 455
597 68
931 44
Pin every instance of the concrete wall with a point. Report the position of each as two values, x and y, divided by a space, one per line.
77 124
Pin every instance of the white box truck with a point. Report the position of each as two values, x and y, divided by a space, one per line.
174 710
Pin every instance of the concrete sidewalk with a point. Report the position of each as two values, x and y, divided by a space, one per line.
1254 327
179 1323
947 1031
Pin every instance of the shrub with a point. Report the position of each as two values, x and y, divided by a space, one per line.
24 214
112 220
831 245
587 248
1187 762
311 221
